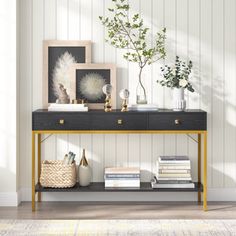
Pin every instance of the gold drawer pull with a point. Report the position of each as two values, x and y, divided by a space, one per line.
61 122
177 122
119 122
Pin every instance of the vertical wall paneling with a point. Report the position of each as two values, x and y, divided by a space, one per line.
206 74
200 30
62 19
146 157
109 150
230 95
49 146
98 157
182 51
86 19
134 150
74 19
170 24
25 86
193 47
50 19
98 34
218 92
37 37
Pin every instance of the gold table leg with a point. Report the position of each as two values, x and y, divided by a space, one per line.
39 163
205 173
199 164
33 171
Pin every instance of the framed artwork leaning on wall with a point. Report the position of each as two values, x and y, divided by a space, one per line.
58 57
87 81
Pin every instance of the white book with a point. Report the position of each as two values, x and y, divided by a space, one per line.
175 178
79 109
143 107
173 167
122 183
66 105
171 171
186 185
122 170
174 159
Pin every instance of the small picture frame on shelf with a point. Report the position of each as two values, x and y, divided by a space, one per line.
58 56
87 81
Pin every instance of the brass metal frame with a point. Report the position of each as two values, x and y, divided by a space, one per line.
200 133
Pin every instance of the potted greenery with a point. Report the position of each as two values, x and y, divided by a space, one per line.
177 78
128 32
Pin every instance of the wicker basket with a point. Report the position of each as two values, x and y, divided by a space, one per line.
55 174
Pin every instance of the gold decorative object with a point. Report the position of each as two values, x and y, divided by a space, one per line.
74 101
83 161
119 122
61 122
124 95
107 89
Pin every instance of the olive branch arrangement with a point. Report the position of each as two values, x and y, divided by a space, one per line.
129 32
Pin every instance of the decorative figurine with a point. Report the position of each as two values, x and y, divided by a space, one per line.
107 89
85 173
63 97
124 95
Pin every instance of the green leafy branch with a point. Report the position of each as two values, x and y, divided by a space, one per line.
130 33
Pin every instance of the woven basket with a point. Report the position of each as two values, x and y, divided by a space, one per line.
55 174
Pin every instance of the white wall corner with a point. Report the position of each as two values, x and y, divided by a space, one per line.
10 199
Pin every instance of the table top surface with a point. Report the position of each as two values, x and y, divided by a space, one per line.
159 111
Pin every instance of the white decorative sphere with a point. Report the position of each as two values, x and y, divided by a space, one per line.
107 89
124 93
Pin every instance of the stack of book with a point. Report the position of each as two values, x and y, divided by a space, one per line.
142 107
67 107
173 172
122 177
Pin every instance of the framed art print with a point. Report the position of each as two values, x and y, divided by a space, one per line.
87 81
59 56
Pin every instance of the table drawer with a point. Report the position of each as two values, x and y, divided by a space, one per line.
58 121
124 121
182 121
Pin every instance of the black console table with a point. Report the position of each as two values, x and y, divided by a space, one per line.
97 121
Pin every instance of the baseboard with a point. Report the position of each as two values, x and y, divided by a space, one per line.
216 194
9 199
222 194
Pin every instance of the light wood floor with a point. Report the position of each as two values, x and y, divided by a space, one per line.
118 210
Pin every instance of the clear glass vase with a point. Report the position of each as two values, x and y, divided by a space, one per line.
141 95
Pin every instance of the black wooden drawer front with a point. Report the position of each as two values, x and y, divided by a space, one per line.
124 121
57 121
182 121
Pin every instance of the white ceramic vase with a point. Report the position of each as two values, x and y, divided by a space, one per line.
85 175
178 102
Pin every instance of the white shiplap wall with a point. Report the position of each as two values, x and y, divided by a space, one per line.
203 30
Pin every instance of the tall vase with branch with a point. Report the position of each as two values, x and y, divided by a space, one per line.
128 32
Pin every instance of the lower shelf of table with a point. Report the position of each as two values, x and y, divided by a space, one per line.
99 187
